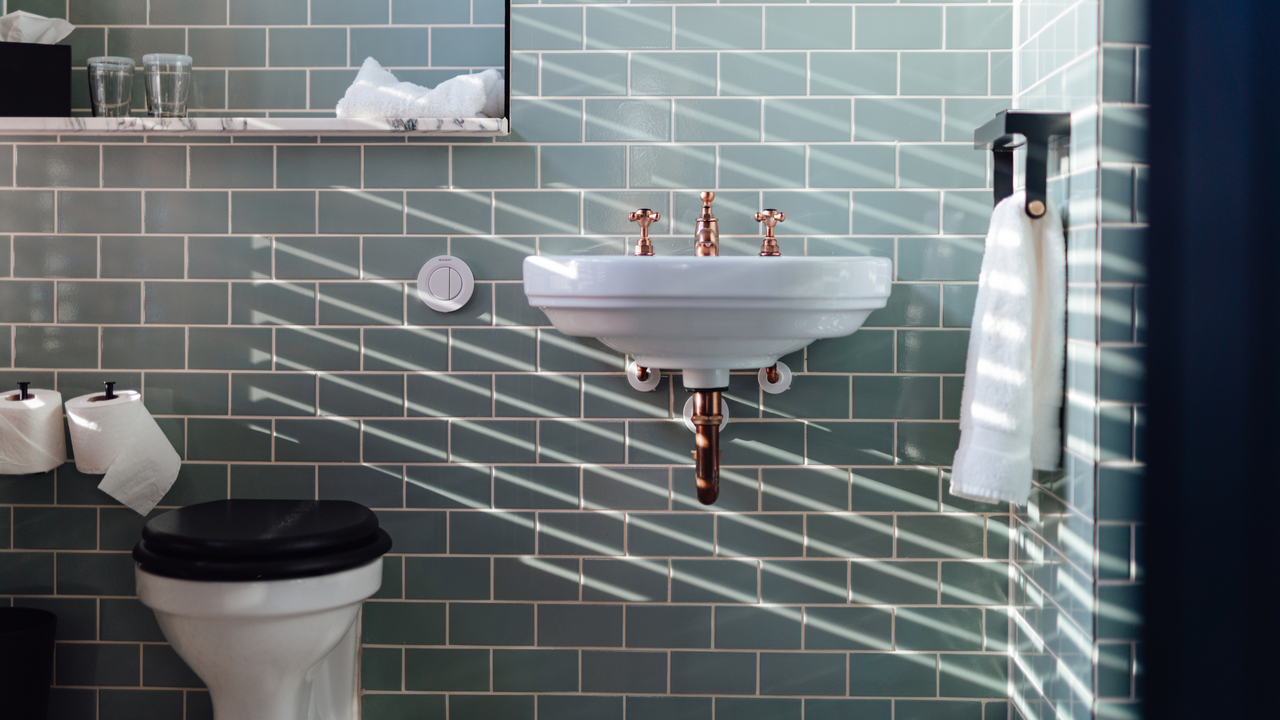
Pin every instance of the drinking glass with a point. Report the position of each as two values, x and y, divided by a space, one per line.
168 81
110 86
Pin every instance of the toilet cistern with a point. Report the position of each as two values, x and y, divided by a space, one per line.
708 314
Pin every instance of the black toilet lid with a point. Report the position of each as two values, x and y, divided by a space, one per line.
260 539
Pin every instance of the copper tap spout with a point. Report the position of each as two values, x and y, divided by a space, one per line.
644 216
706 455
706 234
770 218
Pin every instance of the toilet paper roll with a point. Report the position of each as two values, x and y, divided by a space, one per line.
119 437
31 437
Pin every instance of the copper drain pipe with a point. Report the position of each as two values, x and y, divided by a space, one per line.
706 455
770 373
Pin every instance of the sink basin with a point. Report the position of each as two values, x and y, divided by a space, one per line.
707 315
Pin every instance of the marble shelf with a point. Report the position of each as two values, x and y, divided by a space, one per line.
473 127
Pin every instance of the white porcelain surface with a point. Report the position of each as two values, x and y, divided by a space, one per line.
254 126
272 650
707 314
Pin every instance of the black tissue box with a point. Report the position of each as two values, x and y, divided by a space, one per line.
37 80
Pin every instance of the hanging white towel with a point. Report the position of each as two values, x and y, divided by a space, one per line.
1013 375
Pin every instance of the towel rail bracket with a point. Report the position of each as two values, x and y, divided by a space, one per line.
1012 129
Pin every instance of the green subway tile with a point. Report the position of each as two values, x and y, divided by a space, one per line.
307 47
535 579
1125 22
162 667
893 582
499 533
718 120
395 258
536 396
856 166
484 707
938 710
866 351
142 257
612 397
845 443
269 303
718 28
973 675
371 485
899 28
296 482
656 442
97 664
894 119
824 709
406 167
622 672
895 397
580 442
403 707
1124 134
317 166
356 395
510 441
380 668
801 674
176 12
543 121
948 166
446 669
449 395
808 28
441 213
670 626
58 166
803 581
895 675
45 256
55 529
329 258
724 580
22 301
927 443
447 578
128 620
394 46
939 629
267 89
398 441
99 211
87 12
810 397
582 626
979 28
722 673
1119 615
760 535
415 531
6 347
77 617
671 74
849 536
186 393
739 489
492 624
626 489
810 212
1115 670
1119 74
100 302
37 346
668 708
957 305
403 623
1124 255
846 628
228 47
468 47
1121 374
951 391
932 351
678 534
95 574
753 166
380 213
536 213
530 488
580 534
227 348
808 489
446 12
939 258
122 704
751 443
860 73
186 212
895 213
535 28
274 212
753 73
231 167
628 28
574 166
511 307
493 349
760 628
965 114
23 573
317 440
28 211
944 73
608 212
631 579
584 74
493 258
143 166
535 670
361 303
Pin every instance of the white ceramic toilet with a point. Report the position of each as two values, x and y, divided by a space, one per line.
261 599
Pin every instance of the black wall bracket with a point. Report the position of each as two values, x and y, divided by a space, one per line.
1037 129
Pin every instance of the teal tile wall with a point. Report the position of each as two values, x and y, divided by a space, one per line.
1077 556
550 558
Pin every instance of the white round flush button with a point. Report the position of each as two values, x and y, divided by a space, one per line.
445 283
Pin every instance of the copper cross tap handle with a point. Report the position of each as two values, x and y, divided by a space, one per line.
644 216
770 218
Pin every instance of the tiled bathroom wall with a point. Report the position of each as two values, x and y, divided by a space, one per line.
1077 554
550 559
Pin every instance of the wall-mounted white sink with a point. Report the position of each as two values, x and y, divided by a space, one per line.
707 315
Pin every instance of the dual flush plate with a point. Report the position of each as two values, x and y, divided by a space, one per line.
445 283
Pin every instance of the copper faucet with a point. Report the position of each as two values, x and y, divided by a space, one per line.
644 216
770 218
706 455
706 234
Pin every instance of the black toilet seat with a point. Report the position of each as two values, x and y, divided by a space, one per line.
230 540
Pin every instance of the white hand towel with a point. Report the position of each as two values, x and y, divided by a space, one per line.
376 93
1013 374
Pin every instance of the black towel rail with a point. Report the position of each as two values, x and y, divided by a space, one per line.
1037 128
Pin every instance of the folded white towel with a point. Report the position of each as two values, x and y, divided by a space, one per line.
376 93
1013 375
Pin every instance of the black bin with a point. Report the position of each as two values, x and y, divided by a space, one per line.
37 80
26 662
